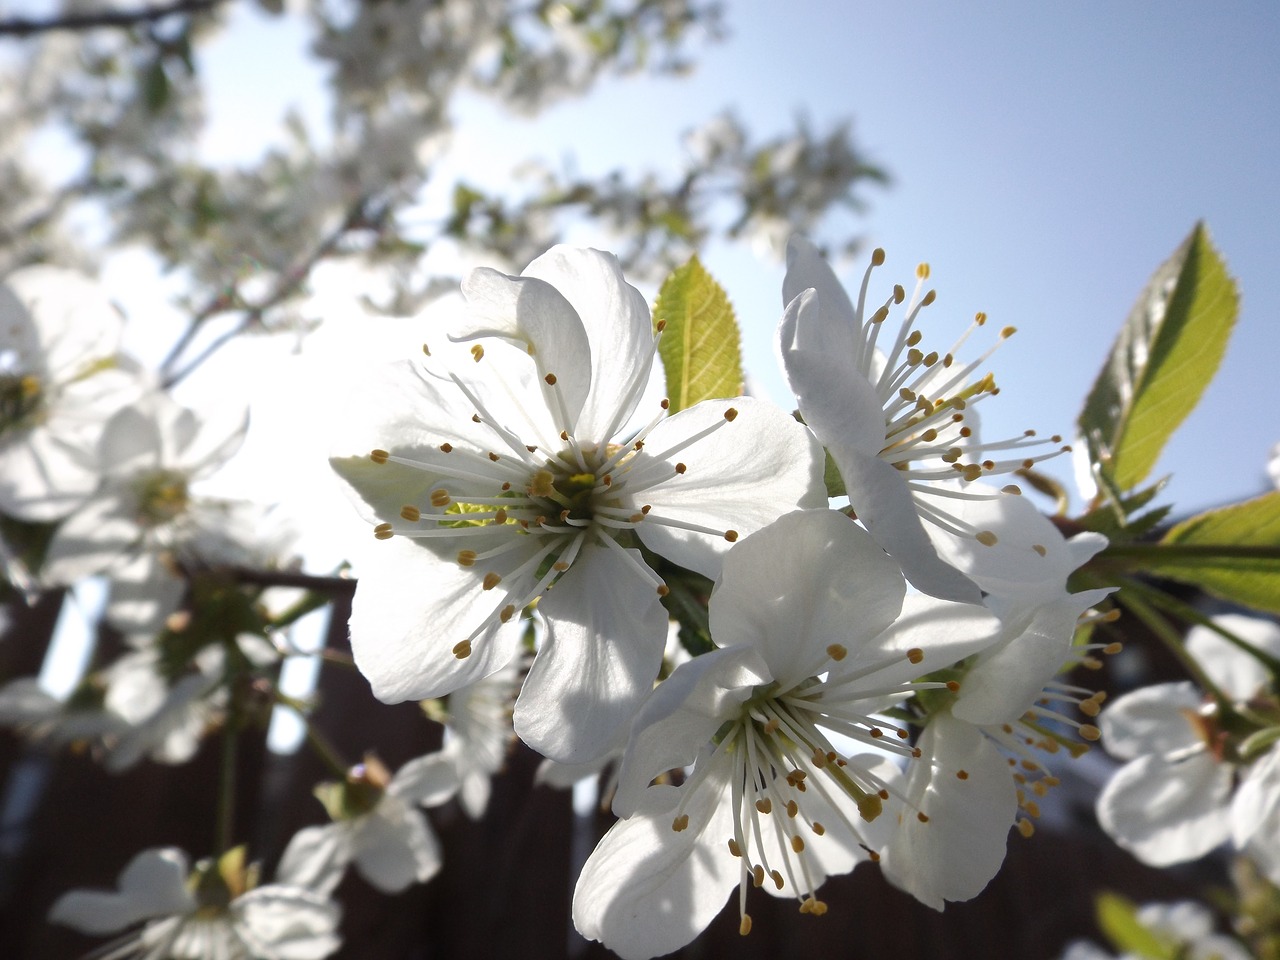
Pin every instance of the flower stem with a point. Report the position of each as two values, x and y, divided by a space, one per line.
227 786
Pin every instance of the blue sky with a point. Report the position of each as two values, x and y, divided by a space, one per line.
1044 163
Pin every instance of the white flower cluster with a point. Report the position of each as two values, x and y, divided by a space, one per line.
840 718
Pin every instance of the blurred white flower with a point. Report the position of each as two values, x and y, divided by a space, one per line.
1184 928
60 380
377 825
213 911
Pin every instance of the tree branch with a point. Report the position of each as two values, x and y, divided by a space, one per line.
27 26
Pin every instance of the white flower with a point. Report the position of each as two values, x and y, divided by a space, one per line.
377 826
478 732
200 914
149 456
1196 777
501 473
899 424
1273 466
820 635
60 380
26 706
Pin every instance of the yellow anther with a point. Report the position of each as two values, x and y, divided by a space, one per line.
971 472
440 498
507 613
383 531
928 298
907 395
1012 489
681 468
426 350
663 590
776 877
466 557
837 651
446 448
764 805
877 257
931 358
559 566
1111 649
915 654
491 580
494 457
899 294
880 315
551 379
929 435
914 356
818 828
462 650
661 325
734 848
922 271
379 456
792 808
731 535
986 538
1008 332
731 414
680 823
500 515
477 352
1026 828
744 925
1090 732
410 513
1032 808
953 686
757 875
915 337
797 843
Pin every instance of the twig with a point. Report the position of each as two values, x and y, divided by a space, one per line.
29 26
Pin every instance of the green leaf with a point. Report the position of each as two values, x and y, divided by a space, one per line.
1166 354
1118 920
700 343
1113 520
1253 581
155 87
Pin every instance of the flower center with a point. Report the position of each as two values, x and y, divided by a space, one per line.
21 402
162 497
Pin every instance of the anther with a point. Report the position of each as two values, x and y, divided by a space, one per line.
744 925
962 774
986 538
410 513
792 808
551 379
440 498
383 531
731 535
1026 828
922 816
681 468
466 557
680 823
379 456
818 828
477 352
507 612
491 580
764 805
734 848
837 652
665 404
1090 732
494 457
928 298
446 448
797 843
877 257
1040 549
757 875
915 654
462 650
731 414
776 877
663 590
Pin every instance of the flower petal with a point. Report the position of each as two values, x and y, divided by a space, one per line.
93 538
287 923
1151 720
426 781
151 885
1168 812
396 847
606 629
317 857
740 477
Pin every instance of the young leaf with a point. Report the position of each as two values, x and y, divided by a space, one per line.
699 347
1118 920
1166 354
1253 581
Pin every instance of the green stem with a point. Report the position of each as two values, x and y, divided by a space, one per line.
326 751
227 786
1131 597
1193 551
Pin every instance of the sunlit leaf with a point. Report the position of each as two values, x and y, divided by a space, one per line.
1167 352
1253 581
700 344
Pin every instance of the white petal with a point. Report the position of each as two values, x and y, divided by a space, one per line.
606 629
395 847
810 579
1165 813
1236 672
831 331
880 498
647 890
287 923
143 592
44 476
961 847
317 857
617 324
131 441
92 539
427 781
408 614
1151 720
151 885
1257 802
76 321
741 477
